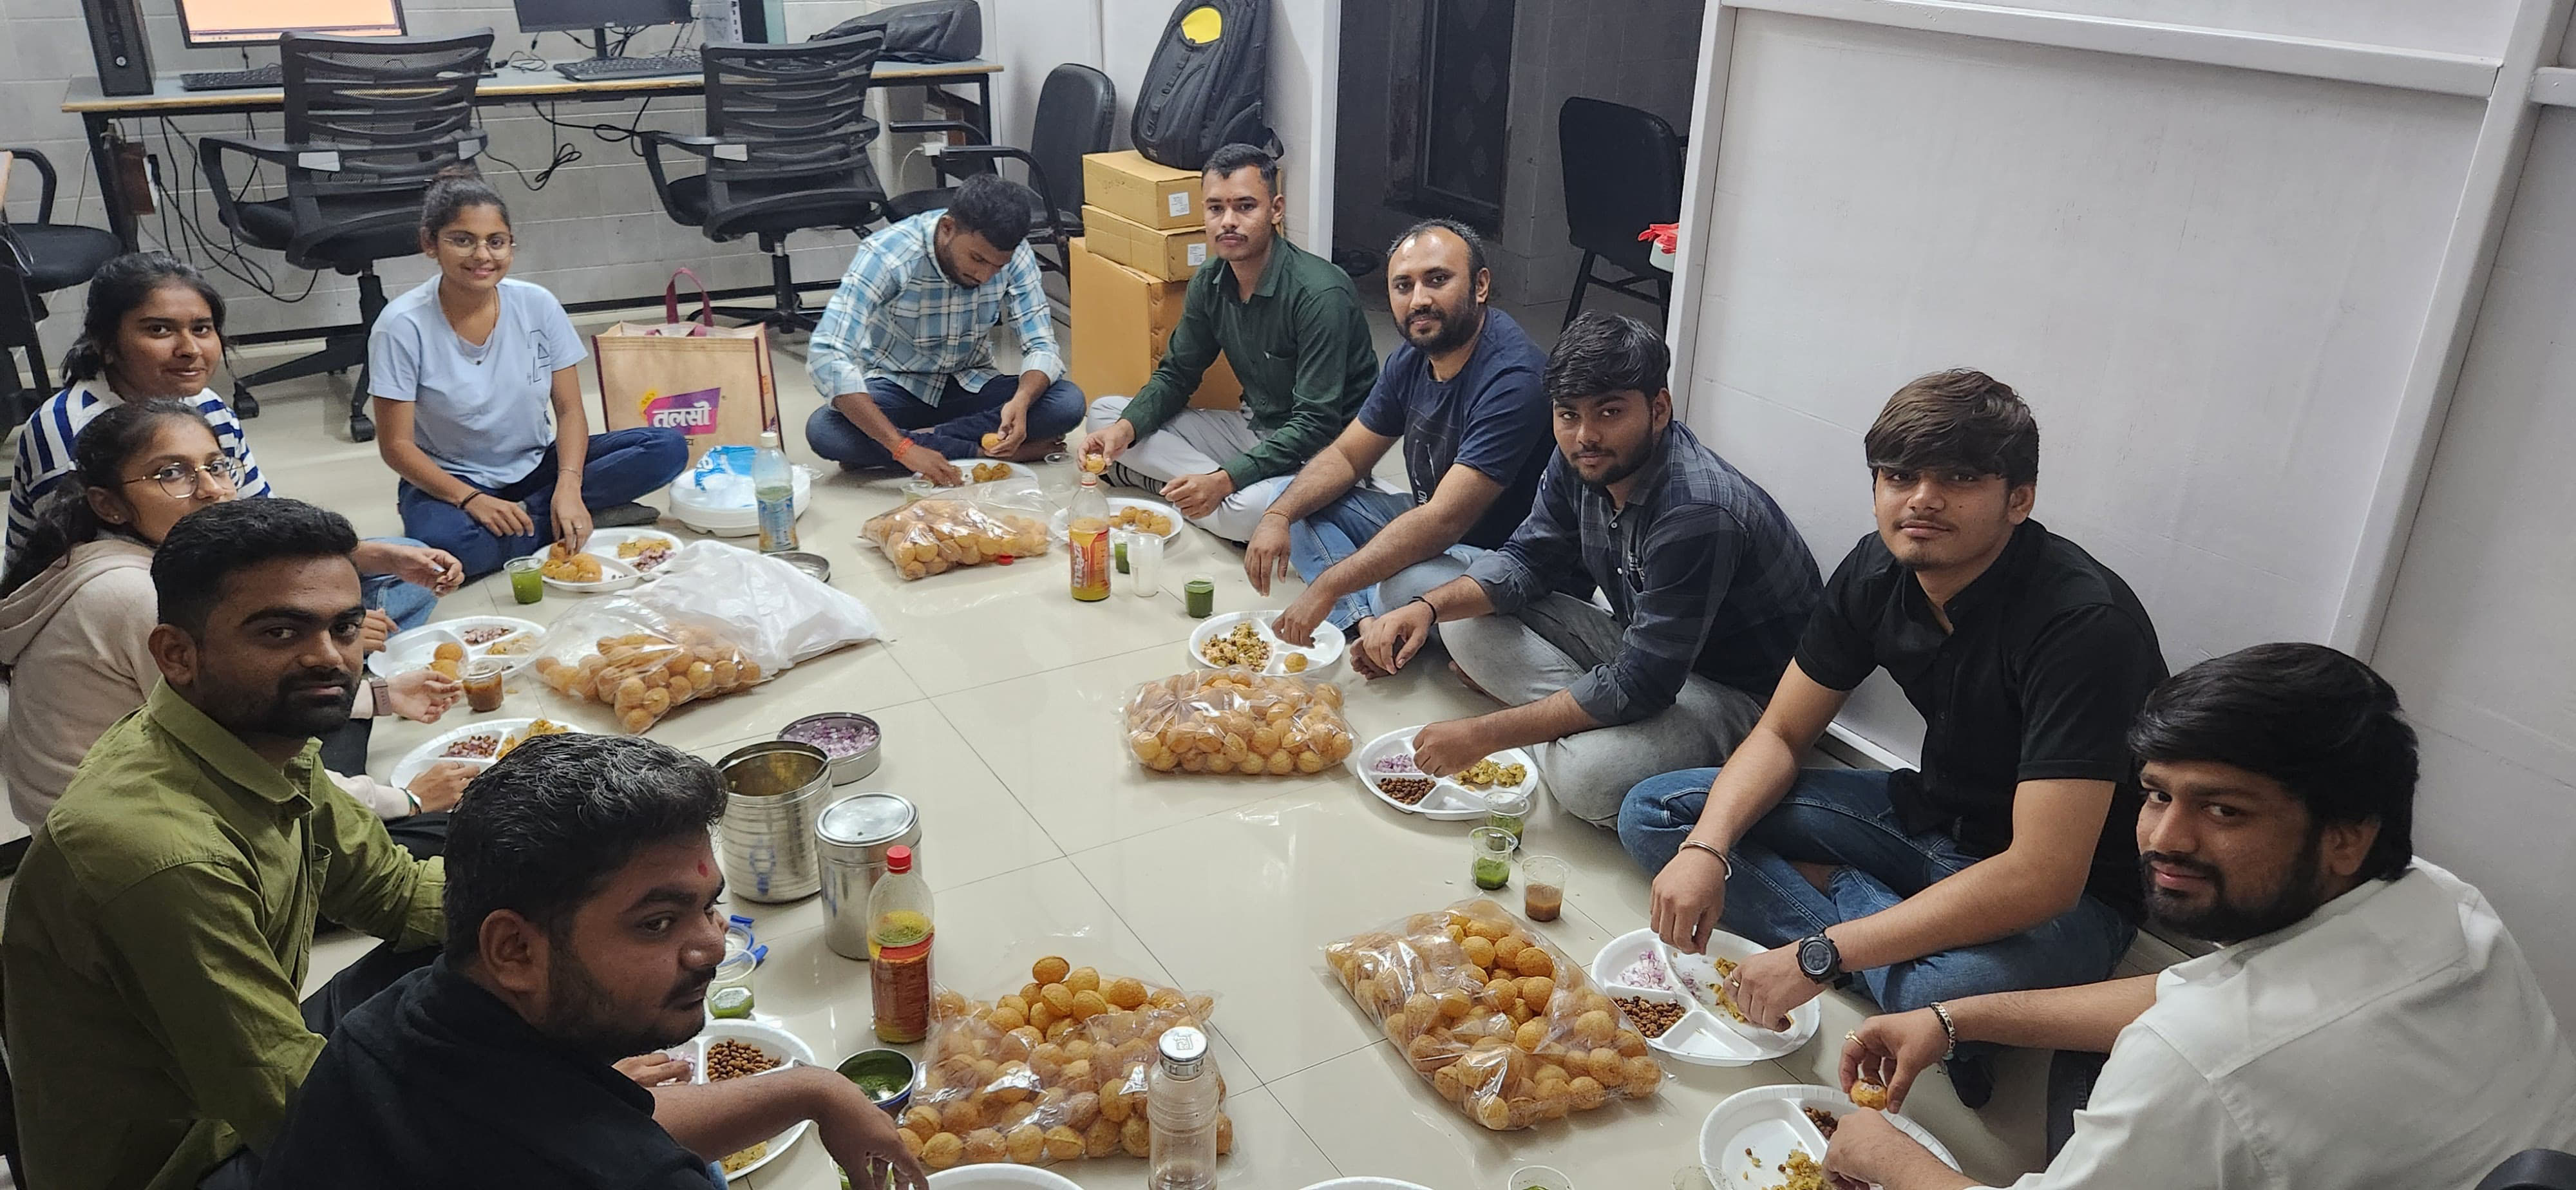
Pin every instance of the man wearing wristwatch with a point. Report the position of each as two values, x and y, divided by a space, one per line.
2006 862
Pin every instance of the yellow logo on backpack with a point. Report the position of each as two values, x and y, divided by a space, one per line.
1203 25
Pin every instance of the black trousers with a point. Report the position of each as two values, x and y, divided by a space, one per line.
378 970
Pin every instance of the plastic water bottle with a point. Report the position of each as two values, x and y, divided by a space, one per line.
1181 1102
773 488
1087 540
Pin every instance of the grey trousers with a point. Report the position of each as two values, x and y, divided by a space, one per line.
1544 648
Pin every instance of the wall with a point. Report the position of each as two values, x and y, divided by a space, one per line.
1304 51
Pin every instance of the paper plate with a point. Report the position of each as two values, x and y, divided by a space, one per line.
614 575
967 467
1056 524
419 759
1764 1124
1001 1177
407 651
1323 658
604 543
773 1041
1700 1037
1367 1184
1448 800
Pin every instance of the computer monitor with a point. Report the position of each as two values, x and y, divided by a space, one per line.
262 22
562 16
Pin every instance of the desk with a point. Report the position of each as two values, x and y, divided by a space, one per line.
511 85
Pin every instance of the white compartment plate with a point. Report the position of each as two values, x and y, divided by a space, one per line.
1448 801
1700 1038
1001 1177
1323 658
419 759
1056 523
773 1041
407 651
1769 1122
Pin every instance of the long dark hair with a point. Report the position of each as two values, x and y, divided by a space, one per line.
119 286
456 189
65 520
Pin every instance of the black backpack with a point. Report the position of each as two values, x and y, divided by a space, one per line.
1204 88
930 31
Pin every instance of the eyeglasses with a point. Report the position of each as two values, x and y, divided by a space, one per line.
181 482
466 242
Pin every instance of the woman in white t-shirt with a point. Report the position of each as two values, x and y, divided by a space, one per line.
465 369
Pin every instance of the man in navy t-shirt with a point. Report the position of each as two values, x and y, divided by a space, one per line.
1464 394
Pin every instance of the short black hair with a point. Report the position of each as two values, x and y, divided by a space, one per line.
119 286
995 208
543 830
1228 158
1961 418
2314 719
1601 354
1466 235
207 546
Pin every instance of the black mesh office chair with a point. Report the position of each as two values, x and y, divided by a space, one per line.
369 123
1623 172
2533 1169
786 150
37 259
1076 111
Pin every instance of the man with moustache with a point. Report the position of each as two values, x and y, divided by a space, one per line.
582 925
162 923
2366 1019
1464 394
1289 323
2006 861
1707 585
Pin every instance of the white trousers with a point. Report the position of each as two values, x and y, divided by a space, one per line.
1196 442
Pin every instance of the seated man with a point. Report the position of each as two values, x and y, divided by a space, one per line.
581 927
904 350
1288 321
2366 1020
2005 863
1464 394
163 919
1707 583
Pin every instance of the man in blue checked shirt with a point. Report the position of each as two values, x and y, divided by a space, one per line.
904 350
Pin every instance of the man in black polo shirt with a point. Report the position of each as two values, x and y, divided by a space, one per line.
2010 860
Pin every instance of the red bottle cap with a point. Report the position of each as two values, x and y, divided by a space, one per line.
898 859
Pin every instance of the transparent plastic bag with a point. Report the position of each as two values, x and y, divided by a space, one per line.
1501 1024
1237 721
1052 1072
642 663
991 522
779 615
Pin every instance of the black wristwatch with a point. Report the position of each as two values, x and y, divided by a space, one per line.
1819 959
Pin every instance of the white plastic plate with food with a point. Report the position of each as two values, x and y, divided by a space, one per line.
1448 799
1001 1177
613 574
1749 1138
1121 504
1323 657
966 467
477 744
1630 968
507 637
776 1045
644 549
1367 1184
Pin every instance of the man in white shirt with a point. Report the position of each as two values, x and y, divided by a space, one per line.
2366 1020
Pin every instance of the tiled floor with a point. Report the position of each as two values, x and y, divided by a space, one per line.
996 692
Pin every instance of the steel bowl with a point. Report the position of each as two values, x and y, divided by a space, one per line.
813 564
890 1064
856 765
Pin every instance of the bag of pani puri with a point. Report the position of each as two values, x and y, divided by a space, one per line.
642 663
966 526
1500 1023
1237 721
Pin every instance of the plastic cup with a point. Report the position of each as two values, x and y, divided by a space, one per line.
1144 565
1490 857
483 678
527 579
1693 1177
1200 592
1538 1177
1542 887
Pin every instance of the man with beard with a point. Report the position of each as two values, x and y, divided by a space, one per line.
2366 1020
1707 584
582 925
2005 863
1464 394
903 353
163 920
1287 320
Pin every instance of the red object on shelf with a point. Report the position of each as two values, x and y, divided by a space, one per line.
1667 236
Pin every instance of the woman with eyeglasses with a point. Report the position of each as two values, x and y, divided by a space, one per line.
464 370
154 330
77 608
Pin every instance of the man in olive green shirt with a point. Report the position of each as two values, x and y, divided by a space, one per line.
1288 320
161 925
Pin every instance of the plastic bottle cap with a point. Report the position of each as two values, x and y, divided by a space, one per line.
898 859
1183 1048
769 439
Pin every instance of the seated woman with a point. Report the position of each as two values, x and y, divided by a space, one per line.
77 608
463 369
154 330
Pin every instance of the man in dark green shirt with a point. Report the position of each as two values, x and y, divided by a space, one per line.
162 925
1288 320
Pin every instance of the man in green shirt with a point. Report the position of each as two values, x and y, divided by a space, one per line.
1288 320
161 926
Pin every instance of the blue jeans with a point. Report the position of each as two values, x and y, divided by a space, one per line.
620 466
408 604
1843 817
955 427
1339 529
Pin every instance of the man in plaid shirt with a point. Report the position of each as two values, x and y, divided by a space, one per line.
904 350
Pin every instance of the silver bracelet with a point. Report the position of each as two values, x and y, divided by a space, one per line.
1947 1027
1723 867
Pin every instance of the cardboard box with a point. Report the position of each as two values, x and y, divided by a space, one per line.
1122 321
1127 185
1164 255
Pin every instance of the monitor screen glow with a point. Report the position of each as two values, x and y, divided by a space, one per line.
262 22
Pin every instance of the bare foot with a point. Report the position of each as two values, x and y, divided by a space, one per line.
1468 682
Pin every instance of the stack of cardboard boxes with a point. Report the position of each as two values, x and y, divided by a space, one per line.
1143 236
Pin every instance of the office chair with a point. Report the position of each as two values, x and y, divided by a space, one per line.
1623 172
369 123
1076 110
786 150
39 258
2533 1169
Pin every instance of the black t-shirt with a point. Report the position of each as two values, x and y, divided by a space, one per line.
2049 659
1492 416
435 1084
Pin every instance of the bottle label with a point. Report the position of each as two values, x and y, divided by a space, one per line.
1090 550
777 523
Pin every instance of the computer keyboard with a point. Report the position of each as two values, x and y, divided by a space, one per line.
588 70
270 75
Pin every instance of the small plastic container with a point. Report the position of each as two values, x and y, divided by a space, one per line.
1200 594
527 579
730 996
1507 810
1490 857
1538 1177
484 678
1542 887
